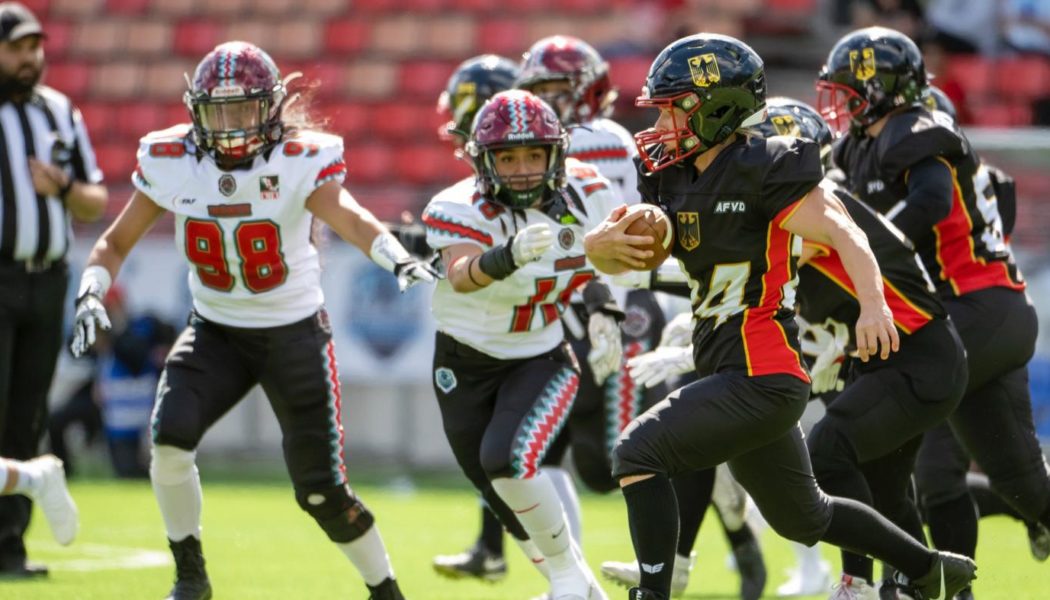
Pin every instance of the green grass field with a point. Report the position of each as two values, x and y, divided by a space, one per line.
260 545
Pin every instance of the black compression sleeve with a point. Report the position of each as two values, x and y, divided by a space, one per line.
929 200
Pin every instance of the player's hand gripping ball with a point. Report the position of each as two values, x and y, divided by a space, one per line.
655 224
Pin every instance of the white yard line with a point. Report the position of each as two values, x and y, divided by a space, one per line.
103 557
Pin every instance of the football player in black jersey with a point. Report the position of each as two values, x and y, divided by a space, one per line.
919 170
736 202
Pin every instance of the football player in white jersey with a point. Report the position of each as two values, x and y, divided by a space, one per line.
504 376
245 182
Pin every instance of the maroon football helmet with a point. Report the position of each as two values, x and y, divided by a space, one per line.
566 58
517 118
235 100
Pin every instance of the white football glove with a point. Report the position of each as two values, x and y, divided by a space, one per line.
678 331
89 314
606 346
633 279
530 243
415 271
828 350
654 367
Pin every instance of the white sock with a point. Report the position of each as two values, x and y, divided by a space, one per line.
20 478
540 512
177 486
369 556
528 547
570 502
808 558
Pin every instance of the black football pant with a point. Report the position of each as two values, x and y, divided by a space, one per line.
211 367
993 423
30 339
501 416
864 447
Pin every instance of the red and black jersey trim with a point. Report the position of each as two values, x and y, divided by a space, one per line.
456 229
907 316
959 263
767 349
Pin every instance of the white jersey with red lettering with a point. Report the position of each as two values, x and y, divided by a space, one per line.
246 232
516 317
605 144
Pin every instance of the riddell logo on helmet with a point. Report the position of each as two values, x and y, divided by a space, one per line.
524 135
227 91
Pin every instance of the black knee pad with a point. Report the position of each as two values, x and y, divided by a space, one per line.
830 450
497 462
339 513
594 468
632 456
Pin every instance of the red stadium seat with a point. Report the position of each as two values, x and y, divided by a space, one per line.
424 79
369 162
628 74
422 164
399 120
506 37
98 118
117 159
136 119
69 78
39 8
126 7
197 37
59 39
347 36
350 120
975 74
1022 77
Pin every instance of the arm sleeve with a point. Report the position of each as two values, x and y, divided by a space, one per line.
929 199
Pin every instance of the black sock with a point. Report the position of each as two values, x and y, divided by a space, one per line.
653 515
862 530
491 532
741 536
848 481
953 525
693 491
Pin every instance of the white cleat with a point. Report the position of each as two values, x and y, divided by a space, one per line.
854 588
54 499
628 576
807 583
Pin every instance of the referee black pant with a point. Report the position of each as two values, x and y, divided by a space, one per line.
30 338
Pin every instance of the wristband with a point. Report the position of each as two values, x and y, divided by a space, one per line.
94 282
498 262
598 298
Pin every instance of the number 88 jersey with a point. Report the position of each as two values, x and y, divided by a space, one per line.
245 233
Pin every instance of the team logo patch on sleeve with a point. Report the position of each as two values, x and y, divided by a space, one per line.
227 184
269 187
689 230
445 379
704 69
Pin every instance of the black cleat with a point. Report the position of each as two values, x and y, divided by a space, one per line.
20 568
966 594
191 580
637 593
950 574
477 562
386 590
752 568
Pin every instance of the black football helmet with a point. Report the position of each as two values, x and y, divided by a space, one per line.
936 99
473 82
795 118
869 73
719 83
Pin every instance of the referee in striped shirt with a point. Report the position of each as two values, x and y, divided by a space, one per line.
48 176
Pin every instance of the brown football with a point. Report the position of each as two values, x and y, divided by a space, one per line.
656 225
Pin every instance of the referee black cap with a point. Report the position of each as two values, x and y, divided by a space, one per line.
16 22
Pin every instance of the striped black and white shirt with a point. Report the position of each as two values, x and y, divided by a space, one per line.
49 128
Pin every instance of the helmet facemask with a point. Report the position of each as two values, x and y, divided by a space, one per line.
520 191
843 108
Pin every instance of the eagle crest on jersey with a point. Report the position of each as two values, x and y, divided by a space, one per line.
251 260
235 100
